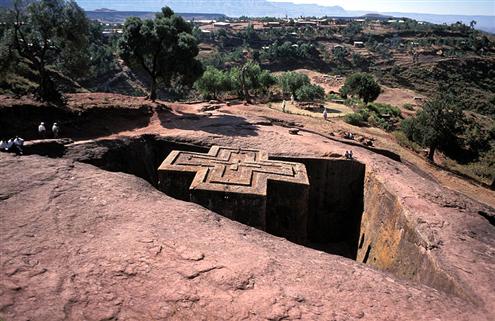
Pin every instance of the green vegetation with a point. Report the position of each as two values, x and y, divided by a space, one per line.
47 33
164 48
241 81
377 115
359 118
362 85
213 82
437 125
291 81
288 51
310 93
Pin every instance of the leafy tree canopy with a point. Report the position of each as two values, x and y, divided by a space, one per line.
45 32
362 85
437 125
291 81
164 47
310 93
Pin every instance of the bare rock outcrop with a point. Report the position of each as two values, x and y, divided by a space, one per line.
80 243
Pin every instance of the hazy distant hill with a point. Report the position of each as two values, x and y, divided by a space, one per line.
232 8
112 16
486 23
257 8
253 8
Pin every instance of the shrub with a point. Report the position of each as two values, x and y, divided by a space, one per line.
213 82
362 85
359 118
291 81
310 93
384 109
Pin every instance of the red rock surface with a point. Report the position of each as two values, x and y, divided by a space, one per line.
79 243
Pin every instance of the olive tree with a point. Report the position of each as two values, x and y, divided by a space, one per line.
291 81
163 47
362 85
45 31
213 82
436 125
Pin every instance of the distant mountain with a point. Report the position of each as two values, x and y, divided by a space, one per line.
485 23
233 8
113 16
105 10
262 8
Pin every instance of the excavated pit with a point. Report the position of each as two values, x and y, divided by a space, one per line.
349 211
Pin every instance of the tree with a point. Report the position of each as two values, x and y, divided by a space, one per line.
310 93
291 81
45 31
249 77
339 54
213 82
266 80
360 62
164 48
362 85
436 125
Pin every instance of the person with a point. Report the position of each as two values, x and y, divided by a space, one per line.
325 114
283 106
292 98
12 147
348 154
42 130
18 143
55 130
4 146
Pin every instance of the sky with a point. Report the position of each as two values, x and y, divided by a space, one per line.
457 7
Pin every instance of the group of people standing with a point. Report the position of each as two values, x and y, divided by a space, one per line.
42 130
16 144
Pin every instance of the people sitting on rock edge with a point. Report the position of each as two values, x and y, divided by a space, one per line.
13 147
18 143
42 130
4 145
55 130
349 135
348 154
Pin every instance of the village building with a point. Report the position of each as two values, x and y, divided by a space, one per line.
224 25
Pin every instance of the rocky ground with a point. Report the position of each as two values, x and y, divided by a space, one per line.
81 243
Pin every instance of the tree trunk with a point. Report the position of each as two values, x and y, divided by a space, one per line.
46 87
245 91
152 95
431 153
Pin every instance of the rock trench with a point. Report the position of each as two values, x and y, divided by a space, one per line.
350 213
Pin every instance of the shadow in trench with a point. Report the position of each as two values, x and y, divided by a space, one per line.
334 207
